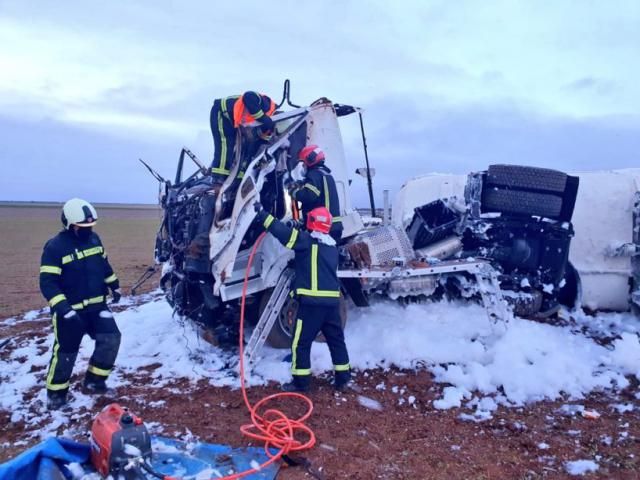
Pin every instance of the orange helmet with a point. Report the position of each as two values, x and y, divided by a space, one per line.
311 155
319 220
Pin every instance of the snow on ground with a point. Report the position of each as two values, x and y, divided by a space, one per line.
581 467
482 365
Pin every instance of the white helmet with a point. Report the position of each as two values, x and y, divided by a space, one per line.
78 212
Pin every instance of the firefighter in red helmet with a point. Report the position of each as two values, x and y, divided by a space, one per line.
318 188
317 289
227 114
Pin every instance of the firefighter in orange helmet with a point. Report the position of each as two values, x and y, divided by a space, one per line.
227 114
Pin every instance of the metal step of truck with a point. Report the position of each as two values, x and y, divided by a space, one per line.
269 315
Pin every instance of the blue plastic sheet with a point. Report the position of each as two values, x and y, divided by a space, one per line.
170 459
46 460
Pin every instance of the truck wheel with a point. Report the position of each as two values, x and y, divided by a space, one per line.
521 202
528 178
525 305
281 334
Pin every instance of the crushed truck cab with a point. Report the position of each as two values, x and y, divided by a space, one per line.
500 236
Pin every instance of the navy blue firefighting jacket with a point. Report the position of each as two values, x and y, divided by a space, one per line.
75 273
316 264
319 190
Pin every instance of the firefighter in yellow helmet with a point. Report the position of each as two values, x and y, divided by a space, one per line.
75 278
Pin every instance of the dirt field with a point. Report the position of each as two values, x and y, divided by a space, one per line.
127 234
401 441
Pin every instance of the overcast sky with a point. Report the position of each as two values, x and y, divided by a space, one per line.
88 87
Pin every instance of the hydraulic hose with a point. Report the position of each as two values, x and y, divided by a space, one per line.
269 425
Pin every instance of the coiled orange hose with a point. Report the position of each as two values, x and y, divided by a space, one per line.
268 424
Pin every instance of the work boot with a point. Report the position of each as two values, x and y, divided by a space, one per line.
294 387
346 387
93 386
342 381
56 400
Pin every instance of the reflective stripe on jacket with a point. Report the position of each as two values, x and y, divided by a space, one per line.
316 264
75 273
246 108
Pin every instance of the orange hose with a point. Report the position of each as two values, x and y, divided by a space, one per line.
271 426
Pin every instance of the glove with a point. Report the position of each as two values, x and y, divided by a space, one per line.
70 314
116 295
266 128
267 123
291 223
293 187
261 214
287 182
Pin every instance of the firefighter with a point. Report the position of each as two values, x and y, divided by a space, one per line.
75 277
317 290
227 114
318 188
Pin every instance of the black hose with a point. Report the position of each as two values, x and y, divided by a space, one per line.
147 468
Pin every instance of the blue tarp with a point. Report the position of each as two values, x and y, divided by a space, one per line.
223 458
46 460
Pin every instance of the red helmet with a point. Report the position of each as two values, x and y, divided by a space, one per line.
319 220
311 155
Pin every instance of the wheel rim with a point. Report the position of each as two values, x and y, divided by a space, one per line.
286 318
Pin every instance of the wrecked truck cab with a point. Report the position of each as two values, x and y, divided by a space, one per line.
208 228
500 236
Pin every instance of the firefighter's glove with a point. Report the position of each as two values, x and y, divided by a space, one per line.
291 223
266 129
70 315
261 214
266 122
288 181
294 186
116 295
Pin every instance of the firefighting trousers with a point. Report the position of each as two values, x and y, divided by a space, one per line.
224 141
68 333
312 320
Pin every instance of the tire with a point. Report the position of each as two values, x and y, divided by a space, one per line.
521 203
528 178
282 332
525 306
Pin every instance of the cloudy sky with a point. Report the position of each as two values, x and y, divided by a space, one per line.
86 88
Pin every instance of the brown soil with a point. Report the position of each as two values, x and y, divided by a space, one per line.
127 234
399 442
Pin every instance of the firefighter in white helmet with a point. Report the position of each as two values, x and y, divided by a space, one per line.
75 278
